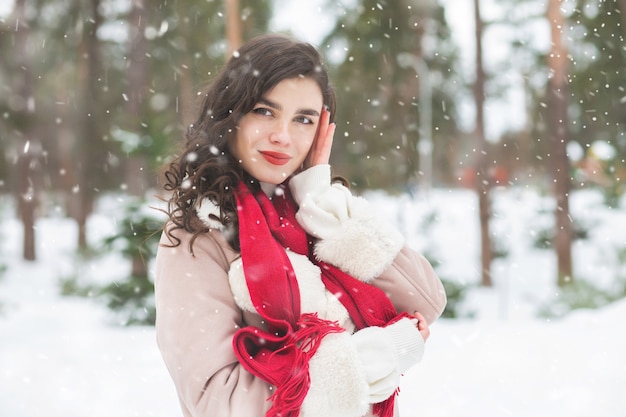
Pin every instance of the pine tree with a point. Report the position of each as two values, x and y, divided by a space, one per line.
377 138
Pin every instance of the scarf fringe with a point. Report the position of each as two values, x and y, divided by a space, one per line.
386 408
289 395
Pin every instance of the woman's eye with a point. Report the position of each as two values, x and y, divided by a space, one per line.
262 111
304 120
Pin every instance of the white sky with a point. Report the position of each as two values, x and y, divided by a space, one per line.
5 7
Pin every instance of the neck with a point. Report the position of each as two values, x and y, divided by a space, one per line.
268 188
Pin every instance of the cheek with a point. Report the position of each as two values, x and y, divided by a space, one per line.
304 146
243 139
233 145
250 135
239 145
305 138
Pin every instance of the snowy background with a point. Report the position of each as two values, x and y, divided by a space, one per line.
66 357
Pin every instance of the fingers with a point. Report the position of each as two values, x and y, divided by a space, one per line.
326 144
422 325
323 141
419 316
424 330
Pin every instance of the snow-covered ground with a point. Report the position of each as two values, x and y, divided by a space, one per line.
65 357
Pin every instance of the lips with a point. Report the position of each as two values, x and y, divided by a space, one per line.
275 158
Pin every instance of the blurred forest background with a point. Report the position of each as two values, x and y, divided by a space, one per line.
96 94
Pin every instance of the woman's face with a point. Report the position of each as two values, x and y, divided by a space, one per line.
272 140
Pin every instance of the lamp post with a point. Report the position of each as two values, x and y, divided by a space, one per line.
425 143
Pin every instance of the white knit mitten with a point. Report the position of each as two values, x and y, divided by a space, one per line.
386 353
350 372
351 237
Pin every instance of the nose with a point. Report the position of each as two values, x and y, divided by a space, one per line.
280 133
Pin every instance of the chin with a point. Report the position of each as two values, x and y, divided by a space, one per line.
275 178
271 179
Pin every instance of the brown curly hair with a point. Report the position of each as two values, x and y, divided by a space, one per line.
205 168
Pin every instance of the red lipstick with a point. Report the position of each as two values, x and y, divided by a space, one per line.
275 158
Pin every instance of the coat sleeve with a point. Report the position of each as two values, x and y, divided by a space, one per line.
196 320
412 285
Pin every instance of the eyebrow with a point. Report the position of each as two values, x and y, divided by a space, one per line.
276 106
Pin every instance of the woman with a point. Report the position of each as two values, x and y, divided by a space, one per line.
278 293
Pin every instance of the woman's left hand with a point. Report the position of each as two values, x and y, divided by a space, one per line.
319 153
422 326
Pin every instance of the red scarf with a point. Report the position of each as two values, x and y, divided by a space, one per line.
281 354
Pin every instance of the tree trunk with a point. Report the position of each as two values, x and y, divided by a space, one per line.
233 26
524 164
557 120
136 173
186 99
26 204
26 181
482 178
137 76
88 147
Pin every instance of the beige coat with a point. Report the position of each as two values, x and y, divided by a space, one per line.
201 304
